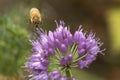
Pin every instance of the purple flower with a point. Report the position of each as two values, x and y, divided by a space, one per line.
58 51
74 78
64 78
55 75
66 59
40 76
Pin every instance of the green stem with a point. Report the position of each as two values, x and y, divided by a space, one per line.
68 73
80 58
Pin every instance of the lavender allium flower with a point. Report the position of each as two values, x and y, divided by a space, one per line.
56 53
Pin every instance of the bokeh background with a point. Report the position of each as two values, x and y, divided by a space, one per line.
99 16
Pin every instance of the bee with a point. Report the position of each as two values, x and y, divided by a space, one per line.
35 17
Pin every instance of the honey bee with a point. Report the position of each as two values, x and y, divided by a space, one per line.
35 17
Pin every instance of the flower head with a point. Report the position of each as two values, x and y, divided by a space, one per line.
56 53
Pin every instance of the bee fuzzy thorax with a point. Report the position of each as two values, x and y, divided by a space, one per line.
35 16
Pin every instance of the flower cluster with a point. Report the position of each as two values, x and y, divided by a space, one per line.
56 53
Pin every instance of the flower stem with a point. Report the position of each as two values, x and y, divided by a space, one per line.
80 58
68 73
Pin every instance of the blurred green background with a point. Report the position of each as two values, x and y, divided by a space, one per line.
99 16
